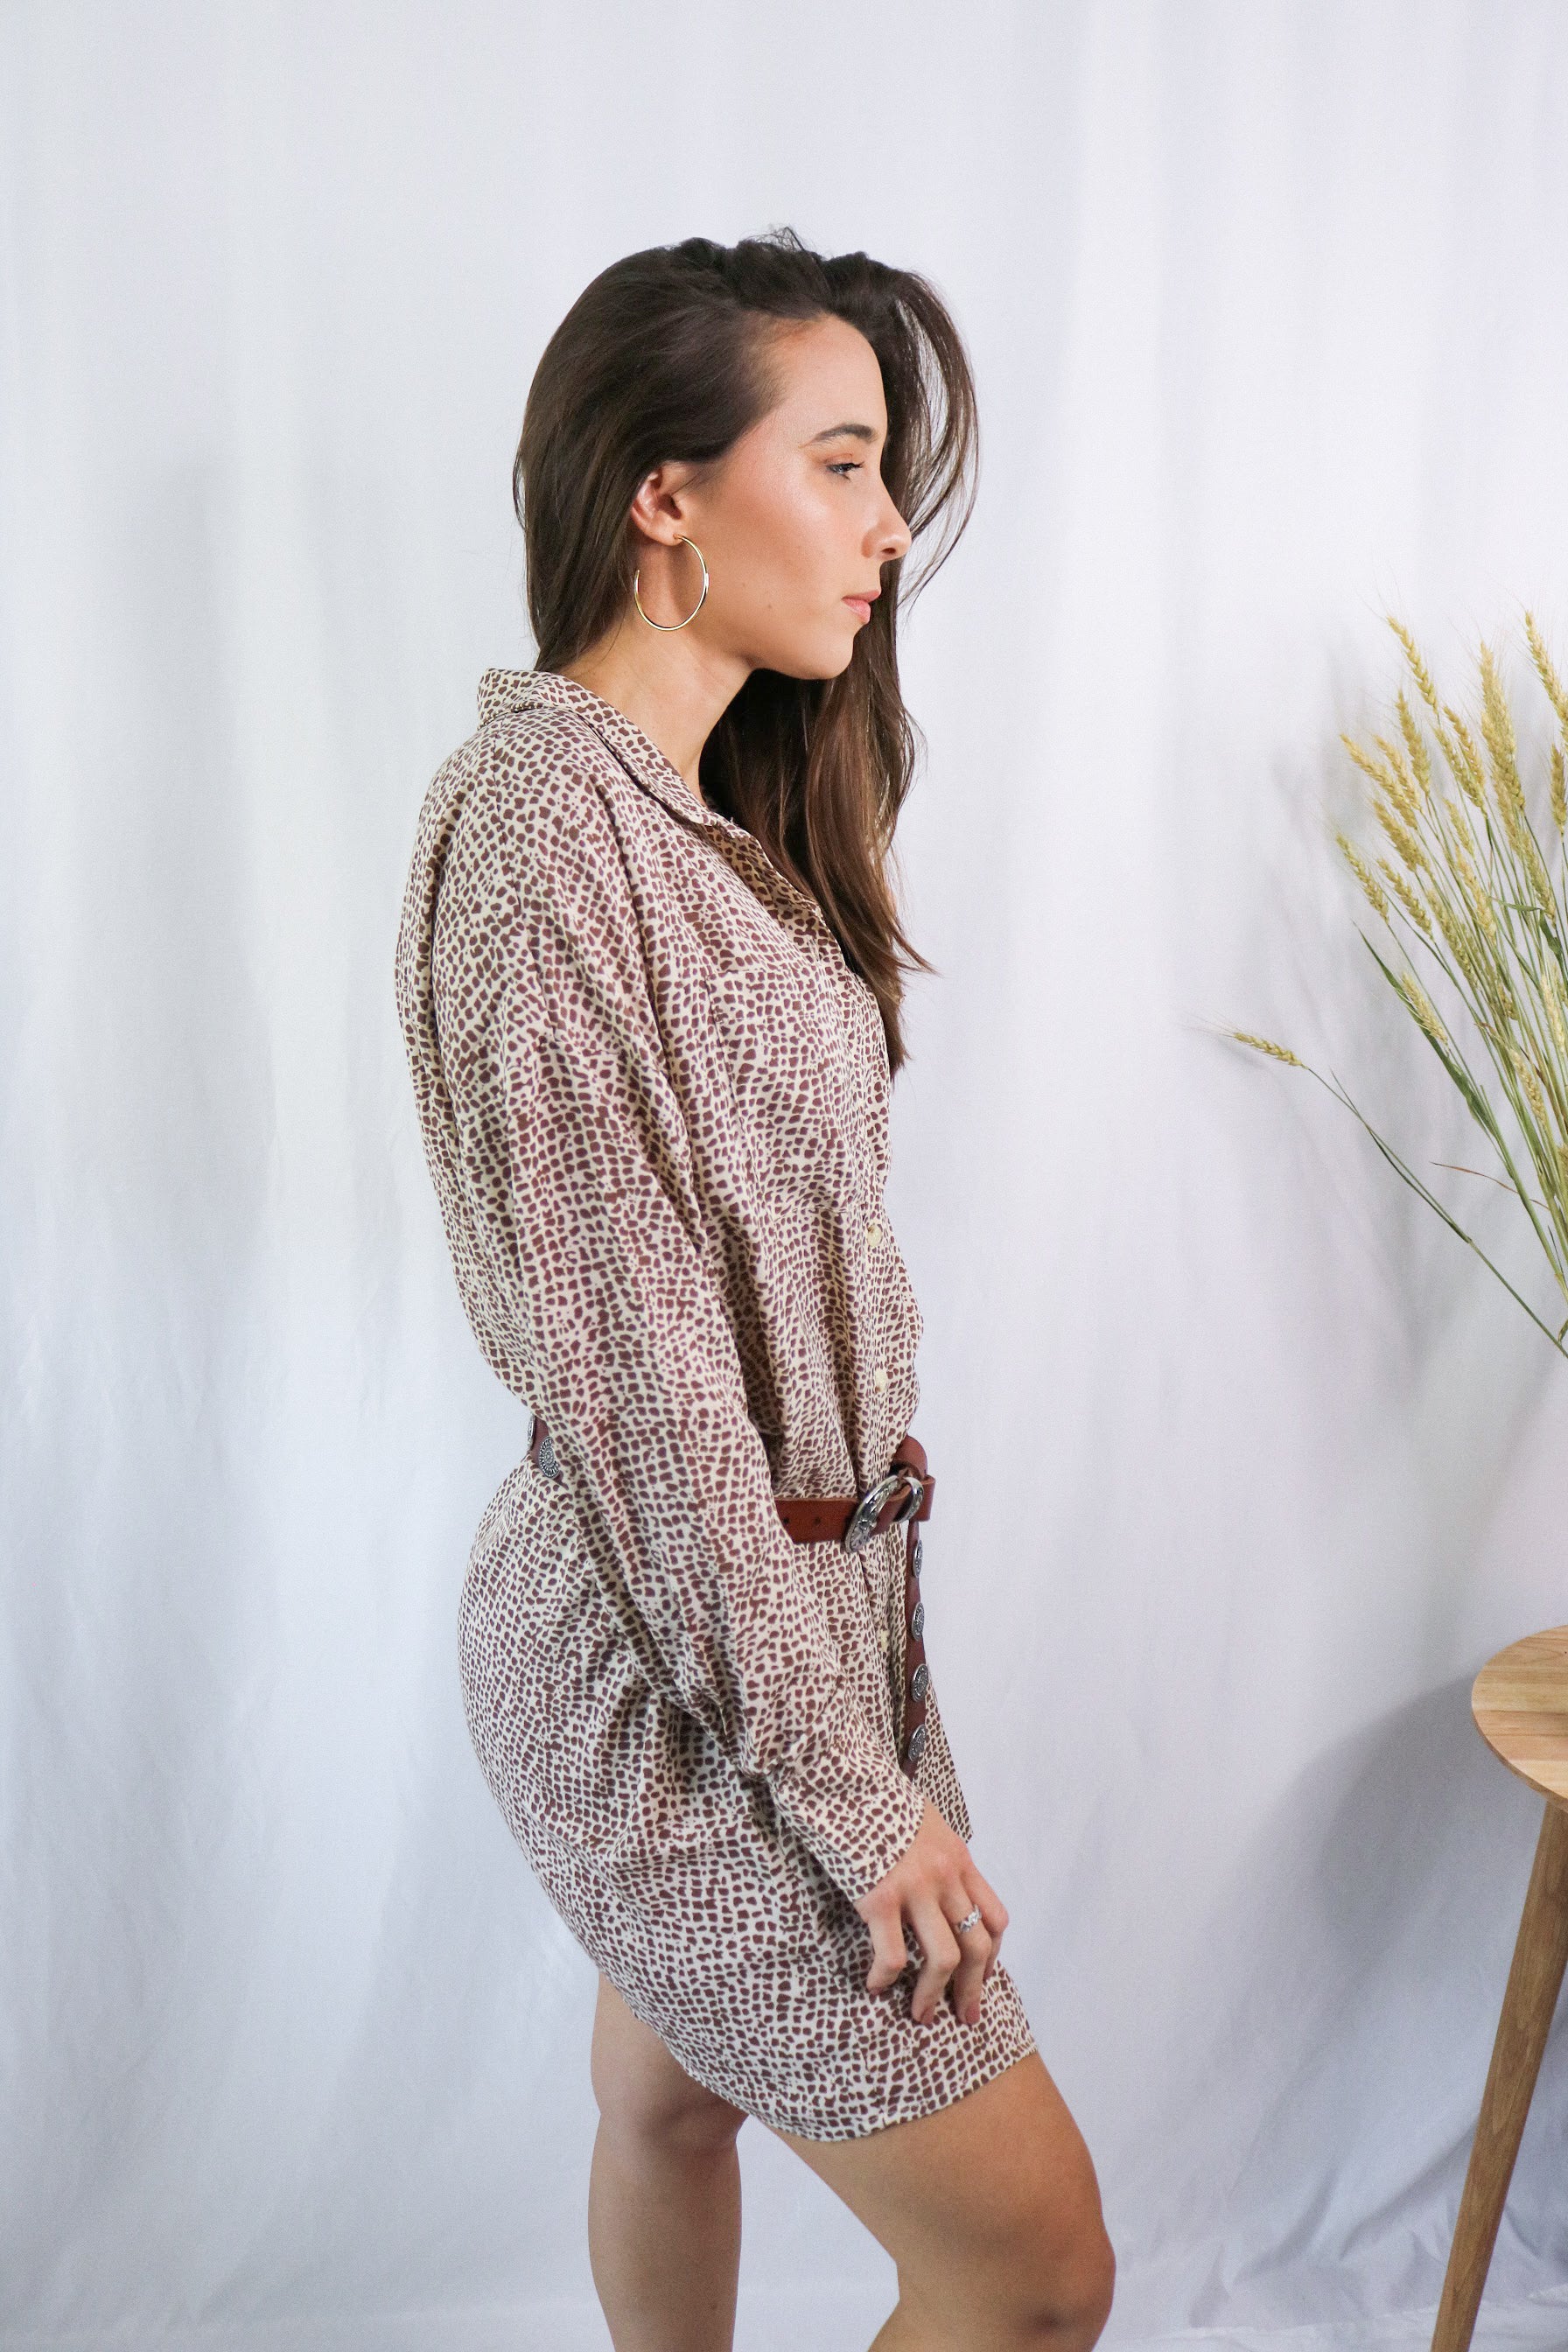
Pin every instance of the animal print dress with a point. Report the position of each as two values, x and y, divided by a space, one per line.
654 1101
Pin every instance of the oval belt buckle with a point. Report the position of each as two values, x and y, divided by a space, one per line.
868 1510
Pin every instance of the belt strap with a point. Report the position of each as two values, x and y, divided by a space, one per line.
825 1518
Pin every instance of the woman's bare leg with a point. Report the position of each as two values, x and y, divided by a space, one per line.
664 2195
991 2209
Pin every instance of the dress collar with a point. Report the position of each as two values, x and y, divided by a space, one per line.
518 689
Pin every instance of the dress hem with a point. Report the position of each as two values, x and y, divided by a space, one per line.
948 2098
947 2092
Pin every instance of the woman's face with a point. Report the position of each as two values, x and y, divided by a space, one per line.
794 522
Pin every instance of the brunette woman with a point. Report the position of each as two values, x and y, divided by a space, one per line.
649 975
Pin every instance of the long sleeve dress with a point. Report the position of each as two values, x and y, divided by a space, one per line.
653 1098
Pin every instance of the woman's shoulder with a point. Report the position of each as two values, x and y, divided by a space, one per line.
521 809
528 783
525 740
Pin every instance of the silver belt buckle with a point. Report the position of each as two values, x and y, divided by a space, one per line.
868 1510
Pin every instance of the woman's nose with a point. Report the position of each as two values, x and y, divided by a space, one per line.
896 537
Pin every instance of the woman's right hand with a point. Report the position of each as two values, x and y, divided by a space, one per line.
933 1884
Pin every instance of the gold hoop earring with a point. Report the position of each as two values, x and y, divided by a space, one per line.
637 575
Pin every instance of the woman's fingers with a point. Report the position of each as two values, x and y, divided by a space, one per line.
940 1956
994 1914
888 1958
975 1949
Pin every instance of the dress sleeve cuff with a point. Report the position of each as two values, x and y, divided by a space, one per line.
847 1799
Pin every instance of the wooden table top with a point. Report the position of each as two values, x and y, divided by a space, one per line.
1519 1701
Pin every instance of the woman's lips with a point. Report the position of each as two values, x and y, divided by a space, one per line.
860 606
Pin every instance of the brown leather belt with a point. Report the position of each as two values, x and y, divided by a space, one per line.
901 1498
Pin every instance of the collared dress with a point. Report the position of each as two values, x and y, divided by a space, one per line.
653 1098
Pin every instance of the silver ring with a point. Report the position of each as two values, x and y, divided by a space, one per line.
970 1919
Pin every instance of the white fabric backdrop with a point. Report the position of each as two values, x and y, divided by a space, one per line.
1246 1466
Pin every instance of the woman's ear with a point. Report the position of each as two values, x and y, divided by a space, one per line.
659 510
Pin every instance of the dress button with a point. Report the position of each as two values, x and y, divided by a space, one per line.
916 1621
916 1745
880 1379
920 1681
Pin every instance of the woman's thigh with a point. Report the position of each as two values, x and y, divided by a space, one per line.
991 2209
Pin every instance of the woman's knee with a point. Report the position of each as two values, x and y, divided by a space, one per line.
1032 2293
644 2096
1081 2291
1062 2267
1052 2293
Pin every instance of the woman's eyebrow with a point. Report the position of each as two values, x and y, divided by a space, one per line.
855 433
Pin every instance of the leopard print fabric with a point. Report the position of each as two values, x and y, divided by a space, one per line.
654 1102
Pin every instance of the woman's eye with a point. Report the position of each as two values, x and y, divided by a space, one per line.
845 466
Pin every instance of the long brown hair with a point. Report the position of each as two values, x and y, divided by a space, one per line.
663 358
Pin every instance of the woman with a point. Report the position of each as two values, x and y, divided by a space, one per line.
649 977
